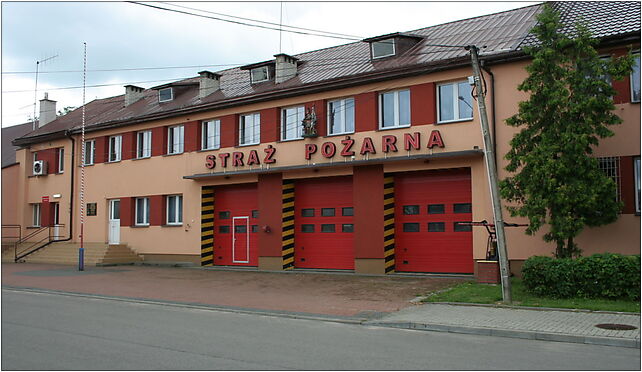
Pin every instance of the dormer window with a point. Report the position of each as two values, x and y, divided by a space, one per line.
260 74
383 48
166 94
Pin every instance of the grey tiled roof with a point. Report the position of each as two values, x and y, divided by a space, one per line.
501 33
8 135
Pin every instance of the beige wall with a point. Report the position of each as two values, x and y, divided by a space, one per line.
10 204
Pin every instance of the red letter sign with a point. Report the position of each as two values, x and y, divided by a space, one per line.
435 139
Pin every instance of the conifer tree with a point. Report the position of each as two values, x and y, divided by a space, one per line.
554 179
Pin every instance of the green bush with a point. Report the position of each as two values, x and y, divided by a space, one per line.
604 275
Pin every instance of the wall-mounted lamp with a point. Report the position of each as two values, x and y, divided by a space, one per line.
56 196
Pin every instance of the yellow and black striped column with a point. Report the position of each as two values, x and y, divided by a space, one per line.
389 222
288 224
207 226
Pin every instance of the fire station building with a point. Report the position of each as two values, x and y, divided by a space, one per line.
364 157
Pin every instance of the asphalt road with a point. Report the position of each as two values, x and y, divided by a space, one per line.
59 332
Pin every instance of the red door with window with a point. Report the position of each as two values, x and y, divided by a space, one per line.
428 207
236 225
324 223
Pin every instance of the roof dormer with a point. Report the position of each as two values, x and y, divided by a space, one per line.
391 45
168 92
261 72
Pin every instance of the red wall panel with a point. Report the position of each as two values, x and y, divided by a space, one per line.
365 114
100 155
157 210
368 211
49 157
129 145
159 141
627 185
126 211
622 87
46 216
270 124
320 110
229 132
270 208
423 106
191 136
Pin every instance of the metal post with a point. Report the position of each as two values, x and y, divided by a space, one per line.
489 156
81 250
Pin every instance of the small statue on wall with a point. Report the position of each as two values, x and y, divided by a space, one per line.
309 123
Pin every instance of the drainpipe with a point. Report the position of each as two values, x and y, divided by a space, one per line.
492 105
71 189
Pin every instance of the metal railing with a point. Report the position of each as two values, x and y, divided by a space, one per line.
35 241
11 234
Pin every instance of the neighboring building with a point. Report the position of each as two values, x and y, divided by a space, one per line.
10 174
219 170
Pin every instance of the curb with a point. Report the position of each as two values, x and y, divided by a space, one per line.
502 306
510 333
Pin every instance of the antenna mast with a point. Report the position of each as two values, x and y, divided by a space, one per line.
35 91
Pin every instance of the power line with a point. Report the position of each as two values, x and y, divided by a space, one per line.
124 69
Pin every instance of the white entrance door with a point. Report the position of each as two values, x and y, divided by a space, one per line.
56 221
241 239
114 221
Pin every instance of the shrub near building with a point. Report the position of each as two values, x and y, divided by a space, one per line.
606 275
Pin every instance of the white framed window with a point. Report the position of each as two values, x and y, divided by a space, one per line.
383 48
394 109
259 74
611 167
636 175
144 144
250 129
454 102
89 151
635 79
166 94
35 215
61 160
142 212
174 209
175 139
341 116
211 134
115 148
291 123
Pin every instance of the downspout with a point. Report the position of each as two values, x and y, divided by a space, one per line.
71 188
492 105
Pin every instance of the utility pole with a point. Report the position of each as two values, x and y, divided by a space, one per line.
492 177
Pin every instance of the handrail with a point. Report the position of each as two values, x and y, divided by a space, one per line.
12 226
25 252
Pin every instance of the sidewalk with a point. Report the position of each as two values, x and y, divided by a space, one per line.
339 297
529 323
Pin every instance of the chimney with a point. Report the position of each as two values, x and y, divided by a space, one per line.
133 94
47 111
208 83
285 67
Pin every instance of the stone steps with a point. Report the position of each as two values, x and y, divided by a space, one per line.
66 253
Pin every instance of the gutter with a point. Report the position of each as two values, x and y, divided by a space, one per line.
492 105
71 189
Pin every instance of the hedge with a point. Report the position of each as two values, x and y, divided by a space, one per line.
604 275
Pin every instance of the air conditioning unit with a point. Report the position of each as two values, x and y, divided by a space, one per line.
39 168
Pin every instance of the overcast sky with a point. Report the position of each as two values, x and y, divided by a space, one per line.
130 36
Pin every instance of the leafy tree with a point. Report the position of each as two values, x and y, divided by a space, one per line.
555 180
66 110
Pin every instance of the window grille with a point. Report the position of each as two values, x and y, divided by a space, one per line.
611 167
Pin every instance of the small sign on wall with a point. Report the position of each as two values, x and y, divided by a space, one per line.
91 209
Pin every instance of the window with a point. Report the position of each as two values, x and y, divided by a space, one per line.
436 209
611 167
291 127
115 143
255 214
142 211
308 212
144 144
394 109
174 209
211 135
458 227
410 209
224 229
455 102
327 212
250 129
175 139
636 175
35 214
635 79
255 228
383 48
165 95
307 228
347 228
347 211
436 226
327 228
89 150
225 215
61 160
462 208
341 116
259 74
410 227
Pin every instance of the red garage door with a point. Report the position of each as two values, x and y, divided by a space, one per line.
324 223
235 225
428 207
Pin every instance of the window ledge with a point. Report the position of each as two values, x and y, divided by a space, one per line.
173 225
338 134
397 127
86 165
33 227
146 157
138 226
206 150
112 161
454 121
290 140
248 144
178 153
